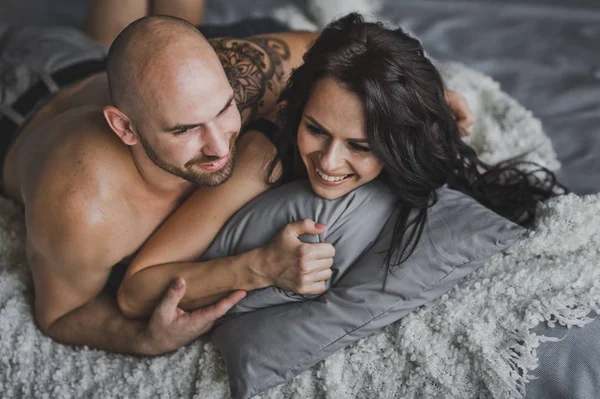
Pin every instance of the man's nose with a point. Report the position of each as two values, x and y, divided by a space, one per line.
216 140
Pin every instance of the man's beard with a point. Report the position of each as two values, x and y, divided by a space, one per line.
191 174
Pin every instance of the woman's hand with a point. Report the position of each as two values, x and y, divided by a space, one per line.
294 265
461 112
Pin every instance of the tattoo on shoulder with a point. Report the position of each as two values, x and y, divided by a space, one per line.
253 66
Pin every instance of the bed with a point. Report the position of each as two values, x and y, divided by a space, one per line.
544 54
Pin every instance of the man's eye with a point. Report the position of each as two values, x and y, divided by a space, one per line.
183 131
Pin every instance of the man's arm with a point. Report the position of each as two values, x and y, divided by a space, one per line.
258 67
69 306
69 273
98 322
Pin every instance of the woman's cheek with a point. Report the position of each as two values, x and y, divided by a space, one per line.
370 169
305 142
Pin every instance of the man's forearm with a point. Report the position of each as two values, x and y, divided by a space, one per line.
99 324
298 42
207 282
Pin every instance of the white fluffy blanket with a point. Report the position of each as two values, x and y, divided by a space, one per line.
466 344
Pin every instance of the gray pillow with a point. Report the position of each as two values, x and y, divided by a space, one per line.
351 233
273 344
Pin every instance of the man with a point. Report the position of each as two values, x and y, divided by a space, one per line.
99 169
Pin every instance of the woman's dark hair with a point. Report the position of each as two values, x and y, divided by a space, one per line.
410 128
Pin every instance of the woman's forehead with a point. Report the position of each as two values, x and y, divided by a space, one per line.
336 108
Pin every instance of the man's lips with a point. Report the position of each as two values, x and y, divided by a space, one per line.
215 165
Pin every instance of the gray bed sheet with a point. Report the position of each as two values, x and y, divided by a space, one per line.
545 53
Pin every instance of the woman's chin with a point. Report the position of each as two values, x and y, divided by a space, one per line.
328 193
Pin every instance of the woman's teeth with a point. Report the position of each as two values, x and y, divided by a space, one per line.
330 178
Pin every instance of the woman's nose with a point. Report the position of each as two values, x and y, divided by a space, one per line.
333 157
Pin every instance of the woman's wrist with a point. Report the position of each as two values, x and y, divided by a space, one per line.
256 275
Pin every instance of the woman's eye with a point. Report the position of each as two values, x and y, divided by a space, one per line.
360 148
315 129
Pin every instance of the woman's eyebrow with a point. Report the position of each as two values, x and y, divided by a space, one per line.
317 124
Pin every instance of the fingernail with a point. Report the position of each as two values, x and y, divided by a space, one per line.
320 226
178 283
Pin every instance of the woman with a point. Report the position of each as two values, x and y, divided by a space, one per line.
365 104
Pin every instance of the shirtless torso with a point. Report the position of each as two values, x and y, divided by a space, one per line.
67 160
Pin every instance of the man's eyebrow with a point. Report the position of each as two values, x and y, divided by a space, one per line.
227 104
182 127
321 127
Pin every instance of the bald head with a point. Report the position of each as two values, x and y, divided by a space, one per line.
147 50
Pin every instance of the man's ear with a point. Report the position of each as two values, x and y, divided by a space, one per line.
120 124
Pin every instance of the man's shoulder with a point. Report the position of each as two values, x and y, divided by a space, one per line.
82 156
92 141
74 195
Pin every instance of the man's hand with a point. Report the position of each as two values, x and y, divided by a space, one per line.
170 327
297 266
461 112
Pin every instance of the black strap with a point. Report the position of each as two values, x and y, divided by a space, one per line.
265 126
63 77
28 100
